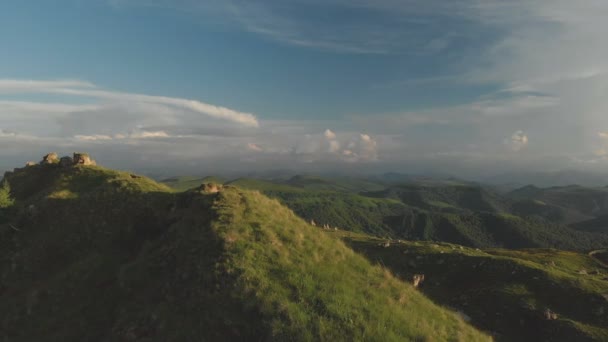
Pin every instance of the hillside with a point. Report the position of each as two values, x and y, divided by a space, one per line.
91 254
454 212
568 204
507 292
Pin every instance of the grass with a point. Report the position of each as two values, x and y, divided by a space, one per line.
504 291
108 255
313 286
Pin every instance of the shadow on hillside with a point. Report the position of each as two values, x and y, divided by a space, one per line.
119 265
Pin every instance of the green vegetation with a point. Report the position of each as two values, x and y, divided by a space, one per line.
99 254
504 291
6 199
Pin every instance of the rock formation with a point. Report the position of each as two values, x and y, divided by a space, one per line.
83 159
210 188
51 158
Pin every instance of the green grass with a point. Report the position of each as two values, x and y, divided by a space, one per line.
321 289
105 255
504 291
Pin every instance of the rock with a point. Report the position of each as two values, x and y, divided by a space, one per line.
30 163
312 223
550 315
417 279
386 244
582 272
83 159
51 158
210 188
66 161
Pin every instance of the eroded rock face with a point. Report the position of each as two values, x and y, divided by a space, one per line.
83 159
51 158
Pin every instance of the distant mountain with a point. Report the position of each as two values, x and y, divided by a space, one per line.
550 179
568 204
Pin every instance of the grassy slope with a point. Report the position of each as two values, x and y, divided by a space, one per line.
92 254
321 288
504 291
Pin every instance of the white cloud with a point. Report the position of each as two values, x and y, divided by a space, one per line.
254 147
148 134
517 141
81 89
329 134
95 137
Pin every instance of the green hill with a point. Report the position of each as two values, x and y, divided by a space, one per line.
445 196
504 291
89 254
568 204
462 214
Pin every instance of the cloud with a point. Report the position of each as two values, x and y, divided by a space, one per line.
81 89
329 134
518 141
148 134
95 137
254 147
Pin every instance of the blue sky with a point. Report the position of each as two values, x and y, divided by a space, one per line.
384 85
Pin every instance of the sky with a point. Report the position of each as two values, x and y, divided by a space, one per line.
466 87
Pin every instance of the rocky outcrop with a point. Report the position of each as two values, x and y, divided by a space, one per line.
30 163
66 161
51 158
210 188
83 159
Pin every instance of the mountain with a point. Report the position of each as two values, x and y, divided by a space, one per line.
92 254
550 179
451 211
567 204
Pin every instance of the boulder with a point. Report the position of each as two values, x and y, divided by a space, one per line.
417 279
51 158
550 315
83 159
30 163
